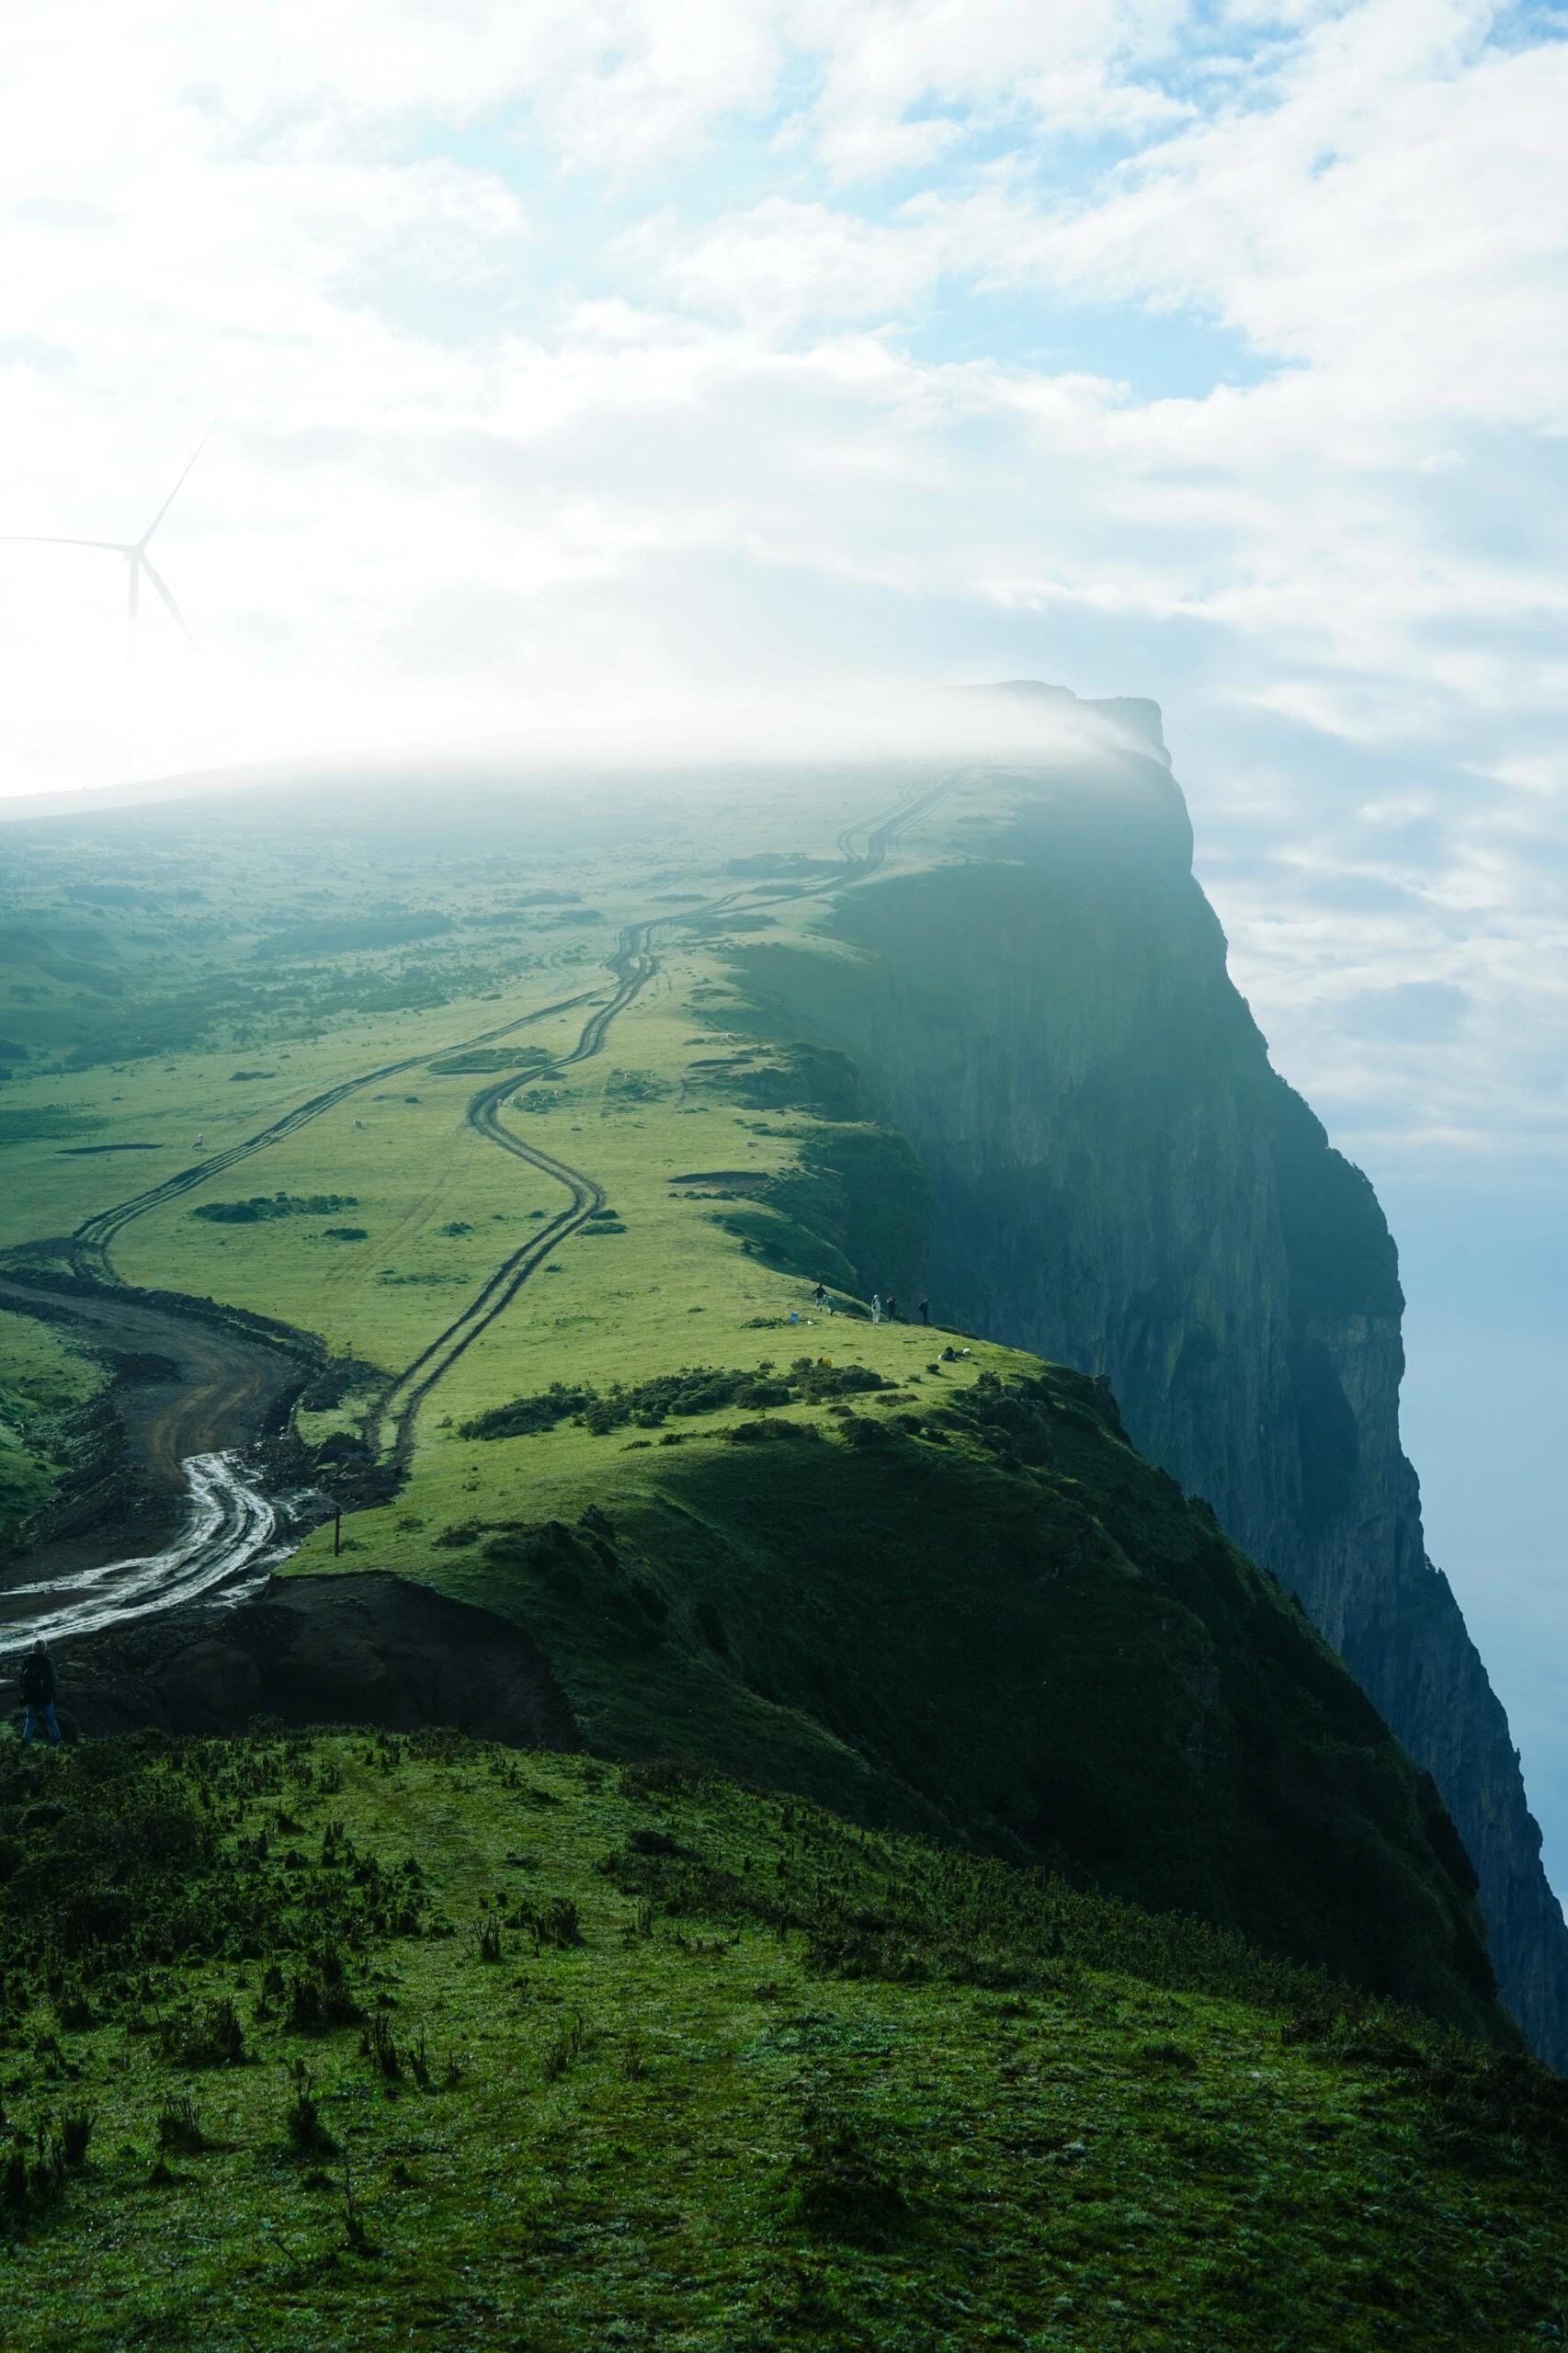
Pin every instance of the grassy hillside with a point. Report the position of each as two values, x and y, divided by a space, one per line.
331 2041
964 1604
46 1381
950 1597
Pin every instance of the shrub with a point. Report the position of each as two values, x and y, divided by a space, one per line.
261 1208
179 2127
213 2038
526 1414
46 2179
98 1915
564 2047
694 1390
380 2047
1174 2055
838 2183
319 1998
303 2123
555 1922
653 1841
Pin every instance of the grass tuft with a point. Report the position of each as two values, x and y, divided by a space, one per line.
840 2181
303 2125
179 2127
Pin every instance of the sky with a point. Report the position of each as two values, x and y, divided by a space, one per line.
593 364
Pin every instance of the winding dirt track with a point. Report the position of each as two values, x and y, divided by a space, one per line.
187 1432
90 1240
226 1548
634 963
226 1380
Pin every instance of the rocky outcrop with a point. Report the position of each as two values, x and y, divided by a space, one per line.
1123 1184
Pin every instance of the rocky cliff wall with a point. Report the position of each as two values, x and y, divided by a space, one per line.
1123 1184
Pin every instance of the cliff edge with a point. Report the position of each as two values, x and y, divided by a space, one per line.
1122 1182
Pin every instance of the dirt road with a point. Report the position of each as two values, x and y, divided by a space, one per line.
186 1426
227 1546
90 1243
221 1389
633 964
186 1430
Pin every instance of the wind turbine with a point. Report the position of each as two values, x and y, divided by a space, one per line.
138 562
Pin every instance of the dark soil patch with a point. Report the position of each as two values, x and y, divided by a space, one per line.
370 1649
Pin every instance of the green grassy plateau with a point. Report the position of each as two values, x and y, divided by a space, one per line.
338 2040
348 2039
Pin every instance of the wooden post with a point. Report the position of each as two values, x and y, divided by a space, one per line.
337 1534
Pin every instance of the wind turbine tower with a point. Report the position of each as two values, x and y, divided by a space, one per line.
138 562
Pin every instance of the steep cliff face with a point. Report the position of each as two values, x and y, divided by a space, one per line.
1123 1184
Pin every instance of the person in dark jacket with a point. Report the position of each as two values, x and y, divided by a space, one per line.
38 1695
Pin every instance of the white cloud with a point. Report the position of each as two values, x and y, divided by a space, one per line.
785 262
899 81
555 343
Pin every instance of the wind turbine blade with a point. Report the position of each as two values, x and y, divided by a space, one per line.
175 492
133 592
43 539
163 591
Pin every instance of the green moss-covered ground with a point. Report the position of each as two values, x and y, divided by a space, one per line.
963 1603
46 1381
341 2040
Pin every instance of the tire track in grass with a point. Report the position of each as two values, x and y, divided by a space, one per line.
90 1243
231 1537
390 1425
230 1541
633 964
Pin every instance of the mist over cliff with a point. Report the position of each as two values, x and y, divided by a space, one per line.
1123 1183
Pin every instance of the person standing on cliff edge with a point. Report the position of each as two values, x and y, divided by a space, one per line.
37 1680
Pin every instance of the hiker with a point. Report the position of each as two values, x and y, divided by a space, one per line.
38 1695
820 1299
876 1307
925 1310
891 1309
